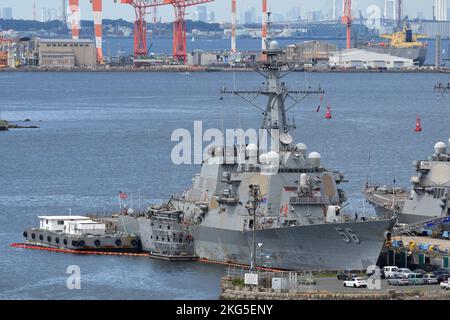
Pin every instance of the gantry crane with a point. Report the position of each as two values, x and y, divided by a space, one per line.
347 20
179 26
141 8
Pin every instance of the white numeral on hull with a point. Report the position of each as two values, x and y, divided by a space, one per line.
348 235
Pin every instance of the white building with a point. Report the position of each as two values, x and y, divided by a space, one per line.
440 8
78 225
363 59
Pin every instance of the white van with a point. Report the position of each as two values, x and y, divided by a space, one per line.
389 271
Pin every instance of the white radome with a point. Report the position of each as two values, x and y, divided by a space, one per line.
263 158
314 158
272 158
274 45
440 147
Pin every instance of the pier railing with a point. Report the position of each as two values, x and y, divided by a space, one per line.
283 281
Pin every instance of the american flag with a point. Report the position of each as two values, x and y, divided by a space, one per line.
123 195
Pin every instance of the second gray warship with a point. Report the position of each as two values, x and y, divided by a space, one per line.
283 206
429 197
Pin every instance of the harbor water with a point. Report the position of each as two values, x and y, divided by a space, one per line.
101 133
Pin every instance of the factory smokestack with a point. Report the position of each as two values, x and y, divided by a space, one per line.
233 26
75 18
98 10
264 24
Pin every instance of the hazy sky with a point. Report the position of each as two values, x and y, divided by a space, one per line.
24 8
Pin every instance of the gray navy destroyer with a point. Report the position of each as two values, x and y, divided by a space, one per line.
285 201
429 197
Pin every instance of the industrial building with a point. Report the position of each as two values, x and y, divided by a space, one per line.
434 28
363 59
66 53
309 52
220 59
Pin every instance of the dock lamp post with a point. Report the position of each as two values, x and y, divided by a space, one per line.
260 244
252 205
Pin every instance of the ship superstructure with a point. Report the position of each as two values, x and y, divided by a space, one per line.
296 223
429 197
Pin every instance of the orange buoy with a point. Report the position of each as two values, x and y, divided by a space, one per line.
328 113
418 125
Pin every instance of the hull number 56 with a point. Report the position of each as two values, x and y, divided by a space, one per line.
348 235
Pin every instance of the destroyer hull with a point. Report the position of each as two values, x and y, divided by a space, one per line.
315 247
410 219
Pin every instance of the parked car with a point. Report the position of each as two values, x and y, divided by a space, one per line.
389 272
421 271
355 283
442 274
430 279
416 279
403 271
445 285
398 280
346 275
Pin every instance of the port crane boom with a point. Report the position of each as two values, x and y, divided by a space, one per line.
347 20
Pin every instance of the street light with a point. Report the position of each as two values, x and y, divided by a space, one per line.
252 206
260 244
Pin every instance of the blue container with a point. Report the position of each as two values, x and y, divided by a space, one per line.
446 234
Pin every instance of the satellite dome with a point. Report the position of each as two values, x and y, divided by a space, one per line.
314 158
274 45
301 147
252 151
439 148
272 158
263 158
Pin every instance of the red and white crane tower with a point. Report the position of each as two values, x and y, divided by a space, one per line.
179 26
141 8
347 20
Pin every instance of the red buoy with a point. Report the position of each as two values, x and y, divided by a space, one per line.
418 125
328 113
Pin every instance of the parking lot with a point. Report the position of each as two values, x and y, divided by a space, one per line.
332 284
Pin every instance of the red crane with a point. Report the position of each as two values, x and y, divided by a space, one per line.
347 20
179 26
140 25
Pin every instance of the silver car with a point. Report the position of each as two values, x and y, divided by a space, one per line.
398 280
430 279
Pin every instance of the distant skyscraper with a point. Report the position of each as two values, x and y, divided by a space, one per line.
202 13
441 10
294 14
7 13
249 16
212 17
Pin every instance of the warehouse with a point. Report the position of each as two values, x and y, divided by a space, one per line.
66 53
309 52
363 59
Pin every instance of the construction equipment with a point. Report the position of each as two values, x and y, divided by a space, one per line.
179 26
141 8
347 20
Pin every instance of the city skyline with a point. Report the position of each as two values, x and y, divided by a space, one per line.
221 8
